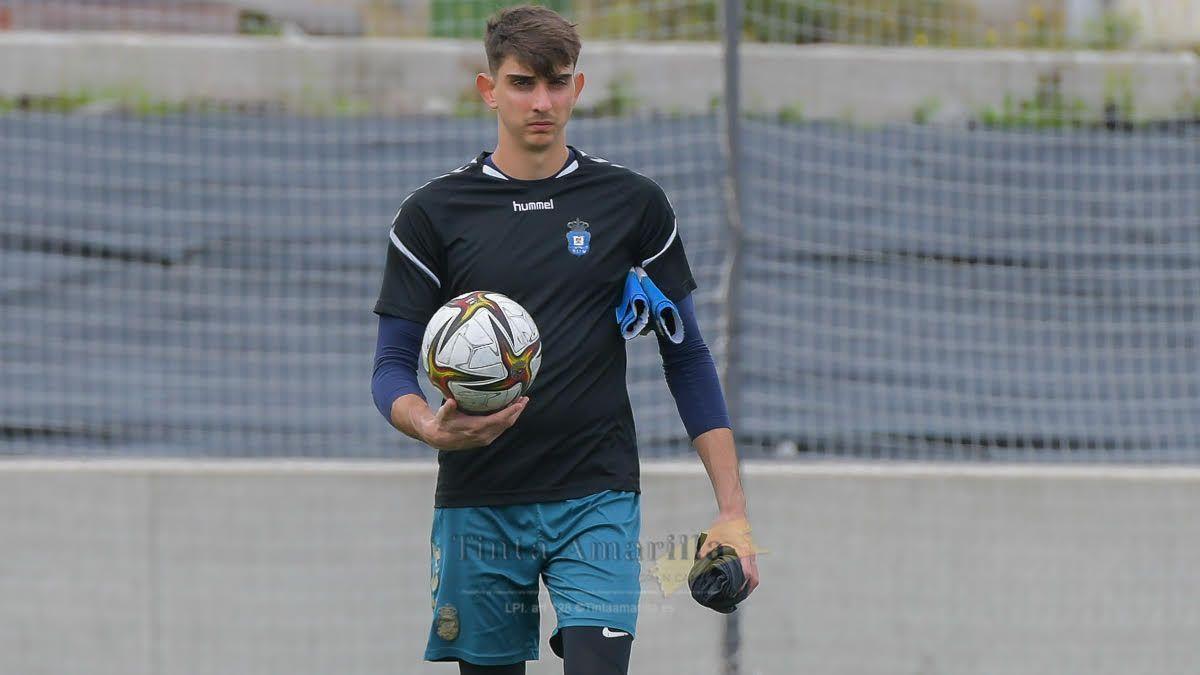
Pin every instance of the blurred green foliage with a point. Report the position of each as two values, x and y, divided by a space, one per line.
1050 108
931 23
126 101
137 103
467 19
879 22
1036 113
1113 30
258 23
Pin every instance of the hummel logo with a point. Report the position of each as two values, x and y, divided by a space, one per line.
610 633
534 206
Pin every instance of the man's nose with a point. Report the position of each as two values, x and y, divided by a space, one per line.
541 97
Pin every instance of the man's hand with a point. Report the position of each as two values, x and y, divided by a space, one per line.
733 530
451 429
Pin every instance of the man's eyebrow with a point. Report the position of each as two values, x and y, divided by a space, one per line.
522 76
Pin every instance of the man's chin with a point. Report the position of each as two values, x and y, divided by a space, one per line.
540 140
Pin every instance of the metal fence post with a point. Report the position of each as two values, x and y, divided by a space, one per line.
732 18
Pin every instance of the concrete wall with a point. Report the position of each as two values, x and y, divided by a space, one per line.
129 567
820 81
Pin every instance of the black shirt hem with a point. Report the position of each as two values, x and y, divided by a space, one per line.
459 498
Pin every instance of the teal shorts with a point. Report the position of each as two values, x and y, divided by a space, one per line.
486 561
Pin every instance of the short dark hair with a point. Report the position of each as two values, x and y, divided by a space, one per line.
537 37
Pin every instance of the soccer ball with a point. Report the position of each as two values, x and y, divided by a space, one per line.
482 350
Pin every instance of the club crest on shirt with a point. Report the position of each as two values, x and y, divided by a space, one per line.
579 240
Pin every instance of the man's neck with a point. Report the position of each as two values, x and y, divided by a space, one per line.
529 166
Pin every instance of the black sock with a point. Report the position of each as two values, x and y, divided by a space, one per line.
465 668
593 650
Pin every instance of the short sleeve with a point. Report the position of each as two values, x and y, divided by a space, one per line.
660 251
412 277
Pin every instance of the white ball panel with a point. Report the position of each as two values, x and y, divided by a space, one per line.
522 325
477 401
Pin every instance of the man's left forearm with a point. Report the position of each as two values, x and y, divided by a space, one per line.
731 528
719 454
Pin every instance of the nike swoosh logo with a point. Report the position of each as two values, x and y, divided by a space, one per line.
610 633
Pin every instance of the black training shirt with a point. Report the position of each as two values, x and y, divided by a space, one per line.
560 247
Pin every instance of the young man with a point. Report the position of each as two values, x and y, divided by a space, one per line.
546 485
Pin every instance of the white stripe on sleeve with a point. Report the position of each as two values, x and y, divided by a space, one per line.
670 240
408 254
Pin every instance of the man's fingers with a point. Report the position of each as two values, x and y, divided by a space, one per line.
749 561
488 428
509 415
477 430
449 407
518 408
750 568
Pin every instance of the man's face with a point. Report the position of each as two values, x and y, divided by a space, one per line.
533 111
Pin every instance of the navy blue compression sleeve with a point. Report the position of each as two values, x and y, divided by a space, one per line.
692 376
396 362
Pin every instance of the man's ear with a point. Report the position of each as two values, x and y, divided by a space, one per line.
487 89
579 80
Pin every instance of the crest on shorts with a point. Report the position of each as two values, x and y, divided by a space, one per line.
447 623
579 240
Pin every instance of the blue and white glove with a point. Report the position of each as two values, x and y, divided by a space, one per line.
663 312
633 312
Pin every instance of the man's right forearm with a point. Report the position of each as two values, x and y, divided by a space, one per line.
411 414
